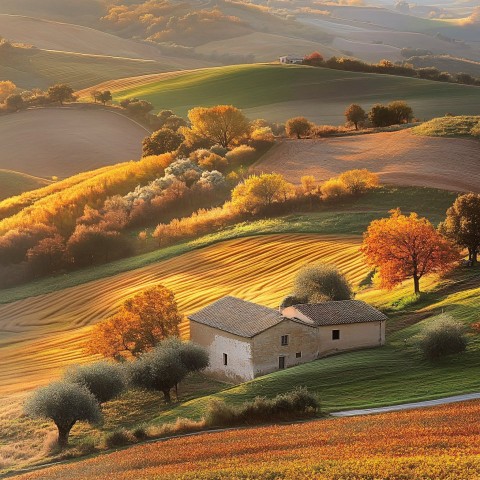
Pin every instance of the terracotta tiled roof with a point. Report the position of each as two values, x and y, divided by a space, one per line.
340 312
233 315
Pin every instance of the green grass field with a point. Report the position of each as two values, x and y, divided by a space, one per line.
448 126
15 183
277 92
349 217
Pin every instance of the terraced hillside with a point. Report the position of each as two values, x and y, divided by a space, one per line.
400 158
65 141
277 92
52 327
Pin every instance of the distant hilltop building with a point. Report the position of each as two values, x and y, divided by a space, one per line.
246 340
291 60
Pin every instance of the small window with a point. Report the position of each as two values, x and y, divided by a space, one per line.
335 334
284 340
298 355
225 359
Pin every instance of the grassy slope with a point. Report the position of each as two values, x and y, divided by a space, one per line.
262 86
347 218
15 183
449 127
393 374
35 68
447 63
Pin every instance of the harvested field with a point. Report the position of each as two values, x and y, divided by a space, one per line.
41 335
400 158
65 141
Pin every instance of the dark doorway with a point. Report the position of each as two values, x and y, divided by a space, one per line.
281 363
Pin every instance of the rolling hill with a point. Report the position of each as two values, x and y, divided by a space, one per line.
278 92
400 158
50 35
32 68
51 328
65 141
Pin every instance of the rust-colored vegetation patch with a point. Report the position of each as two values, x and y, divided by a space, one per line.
420 444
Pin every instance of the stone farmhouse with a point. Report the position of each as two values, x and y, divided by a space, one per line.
246 340
291 60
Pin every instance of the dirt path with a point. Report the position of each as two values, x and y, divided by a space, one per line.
400 158
408 406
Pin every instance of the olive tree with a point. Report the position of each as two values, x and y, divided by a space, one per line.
66 404
164 367
320 282
103 379
444 336
298 127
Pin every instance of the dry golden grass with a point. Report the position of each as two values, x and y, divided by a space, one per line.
399 158
42 335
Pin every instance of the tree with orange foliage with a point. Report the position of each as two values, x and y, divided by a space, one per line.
224 125
315 59
403 247
140 324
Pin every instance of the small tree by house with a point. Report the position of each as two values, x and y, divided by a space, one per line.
444 336
320 282
314 59
161 141
141 323
462 224
355 114
61 93
164 367
66 404
298 127
104 380
403 247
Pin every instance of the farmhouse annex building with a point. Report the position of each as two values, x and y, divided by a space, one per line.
246 340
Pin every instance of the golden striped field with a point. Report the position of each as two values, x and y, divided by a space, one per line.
39 336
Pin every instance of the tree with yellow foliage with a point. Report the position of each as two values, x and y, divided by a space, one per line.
140 324
7 88
359 181
403 247
224 125
260 192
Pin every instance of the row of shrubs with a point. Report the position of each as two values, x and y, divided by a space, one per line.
386 67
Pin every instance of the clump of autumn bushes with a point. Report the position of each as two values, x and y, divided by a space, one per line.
263 195
87 220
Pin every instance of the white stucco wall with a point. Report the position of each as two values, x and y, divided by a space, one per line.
239 366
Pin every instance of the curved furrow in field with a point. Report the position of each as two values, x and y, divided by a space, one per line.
41 335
